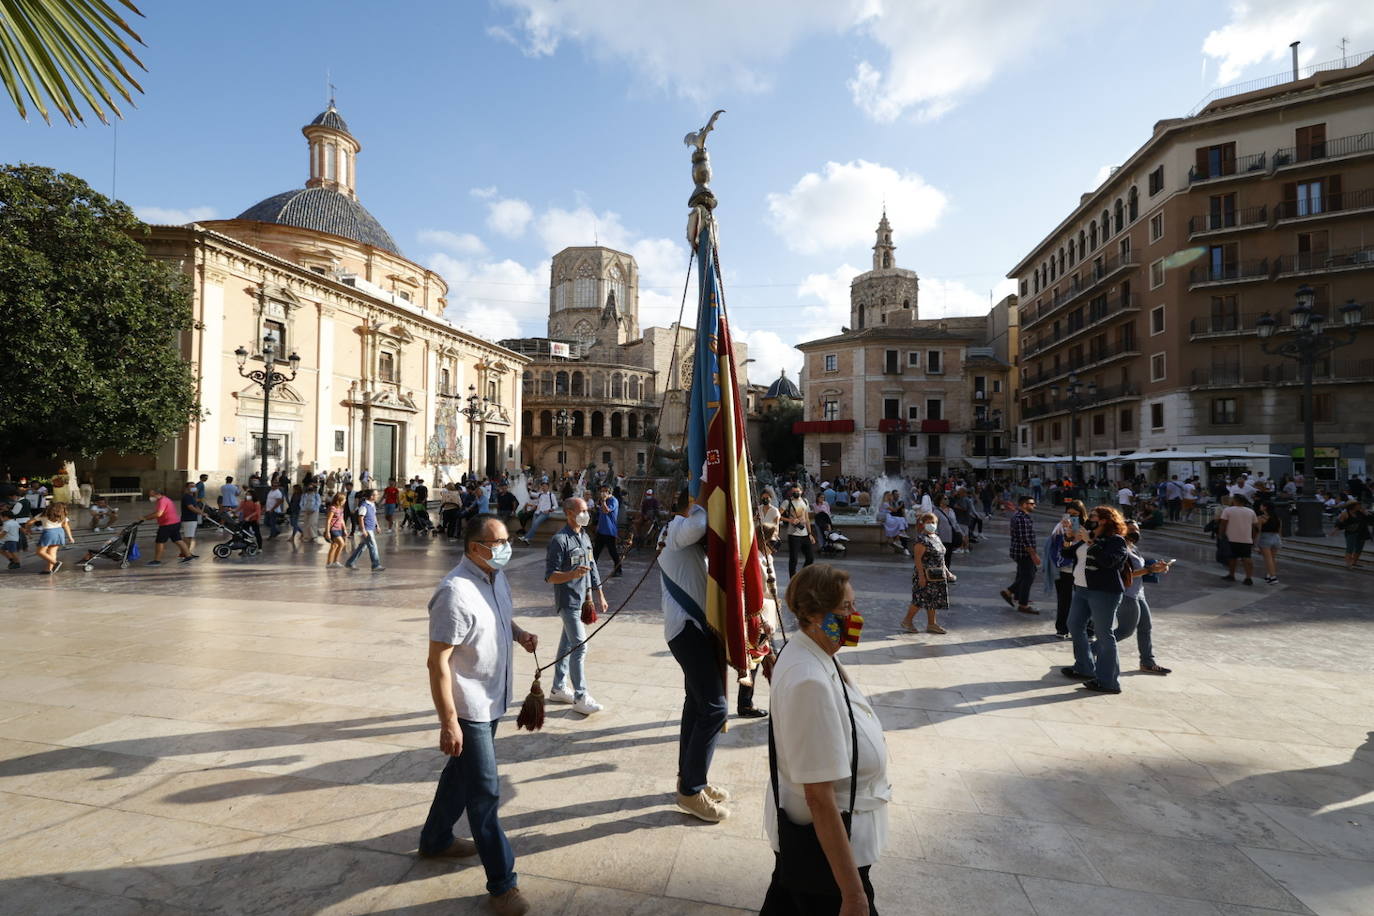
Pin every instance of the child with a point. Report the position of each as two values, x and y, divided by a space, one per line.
250 514
334 525
56 531
9 539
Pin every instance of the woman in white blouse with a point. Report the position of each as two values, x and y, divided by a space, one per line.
817 713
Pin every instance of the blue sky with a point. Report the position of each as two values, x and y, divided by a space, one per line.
496 132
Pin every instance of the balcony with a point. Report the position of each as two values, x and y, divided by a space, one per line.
934 426
1343 203
1104 395
1218 223
1250 166
803 427
1285 373
1324 151
1116 305
1111 267
1325 262
1235 272
893 425
1094 358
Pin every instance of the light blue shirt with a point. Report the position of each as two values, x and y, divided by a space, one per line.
368 513
473 613
229 495
683 562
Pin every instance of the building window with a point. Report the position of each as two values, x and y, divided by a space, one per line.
1025 435
997 386
606 458
1099 424
1309 198
830 410
1311 142
1157 367
913 358
1133 205
933 362
403 295
1126 420
277 331
1118 216
1225 411
1023 287
1321 408
832 362
1157 320
1157 227
386 366
892 408
1156 416
913 442
443 381
891 365
913 412
1056 431
934 409
1157 274
340 441
1213 161
1157 181
933 446
1125 248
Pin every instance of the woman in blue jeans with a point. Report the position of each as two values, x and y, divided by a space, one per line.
1101 572
1134 614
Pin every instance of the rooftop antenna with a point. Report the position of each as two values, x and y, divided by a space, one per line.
1344 41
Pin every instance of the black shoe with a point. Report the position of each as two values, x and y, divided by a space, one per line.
14 565
1027 609
1070 672
752 712
1064 635
1249 581
1008 597
1094 686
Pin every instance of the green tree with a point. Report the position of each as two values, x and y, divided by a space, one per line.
781 448
61 49
93 324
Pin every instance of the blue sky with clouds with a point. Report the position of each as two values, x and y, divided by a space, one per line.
496 132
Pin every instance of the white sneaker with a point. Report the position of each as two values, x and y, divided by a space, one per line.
561 696
586 706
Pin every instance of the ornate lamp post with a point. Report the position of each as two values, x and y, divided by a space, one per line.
562 420
477 410
1307 344
268 378
1075 400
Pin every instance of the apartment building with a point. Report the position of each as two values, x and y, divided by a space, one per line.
1148 292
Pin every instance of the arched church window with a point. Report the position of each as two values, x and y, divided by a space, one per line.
634 388
598 424
560 382
583 331
579 384
688 367
546 383
617 386
618 287
579 423
527 382
584 287
617 425
632 426
545 423
887 259
331 153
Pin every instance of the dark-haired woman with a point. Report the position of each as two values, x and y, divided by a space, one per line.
830 757
1100 575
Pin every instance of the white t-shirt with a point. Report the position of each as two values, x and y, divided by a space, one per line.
797 507
274 498
1189 491
814 743
1240 524
768 515
1124 496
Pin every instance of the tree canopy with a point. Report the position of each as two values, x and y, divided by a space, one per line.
92 359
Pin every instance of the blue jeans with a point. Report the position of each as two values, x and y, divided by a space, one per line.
1134 616
272 527
1025 578
369 541
703 711
470 783
1099 607
539 518
574 632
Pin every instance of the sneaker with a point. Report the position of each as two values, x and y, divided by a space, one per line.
1096 687
561 696
1155 669
349 566
752 712
716 793
1249 581
586 705
57 566
523 540
378 568
460 848
189 557
1063 635
702 806
511 903
1271 580
153 563
13 565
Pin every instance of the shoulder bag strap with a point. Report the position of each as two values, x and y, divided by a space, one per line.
854 738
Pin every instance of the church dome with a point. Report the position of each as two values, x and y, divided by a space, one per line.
330 117
324 210
783 387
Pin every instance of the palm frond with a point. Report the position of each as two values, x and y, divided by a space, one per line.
65 51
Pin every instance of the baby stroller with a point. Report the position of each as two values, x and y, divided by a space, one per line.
834 544
417 519
122 548
241 537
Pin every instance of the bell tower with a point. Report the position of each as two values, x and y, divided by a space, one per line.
333 153
884 256
887 293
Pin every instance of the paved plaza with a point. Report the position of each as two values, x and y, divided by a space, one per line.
256 736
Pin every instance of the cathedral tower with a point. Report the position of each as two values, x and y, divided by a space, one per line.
594 296
886 290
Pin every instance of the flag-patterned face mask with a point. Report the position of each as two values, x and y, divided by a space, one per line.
843 630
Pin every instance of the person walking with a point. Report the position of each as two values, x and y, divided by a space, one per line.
930 576
391 499
472 633
367 521
168 527
607 529
293 511
1270 540
334 528
797 520
1100 575
250 515
191 509
272 510
827 758
1059 564
55 532
1355 521
229 497
1240 523
1133 616
571 570
1024 555
310 511
697 651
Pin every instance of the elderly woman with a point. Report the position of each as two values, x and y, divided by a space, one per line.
827 760
930 576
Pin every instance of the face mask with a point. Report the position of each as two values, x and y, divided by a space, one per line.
931 527
582 518
843 630
500 556
1090 524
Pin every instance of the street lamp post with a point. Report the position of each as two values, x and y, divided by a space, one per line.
1307 344
562 419
268 378
477 410
1075 400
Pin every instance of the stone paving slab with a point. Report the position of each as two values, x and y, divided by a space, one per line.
257 737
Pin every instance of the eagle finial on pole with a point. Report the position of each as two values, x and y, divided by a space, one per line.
697 138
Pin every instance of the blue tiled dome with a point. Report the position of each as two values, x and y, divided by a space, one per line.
783 387
323 210
330 118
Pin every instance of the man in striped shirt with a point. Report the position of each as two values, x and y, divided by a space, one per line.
1024 554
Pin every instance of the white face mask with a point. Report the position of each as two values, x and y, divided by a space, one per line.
582 518
500 556
931 527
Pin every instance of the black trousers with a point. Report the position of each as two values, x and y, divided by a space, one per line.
1025 577
783 901
797 543
607 542
1063 593
744 696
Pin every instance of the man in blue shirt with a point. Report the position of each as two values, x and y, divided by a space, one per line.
1024 554
367 520
607 529
570 569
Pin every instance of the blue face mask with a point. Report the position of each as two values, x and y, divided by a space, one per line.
843 630
500 556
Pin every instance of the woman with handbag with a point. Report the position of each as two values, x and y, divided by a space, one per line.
826 815
930 577
1101 573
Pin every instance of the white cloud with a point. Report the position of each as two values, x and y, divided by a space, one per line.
930 53
771 355
840 208
494 299
464 243
954 299
1103 173
509 217
484 193
165 216
1259 31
